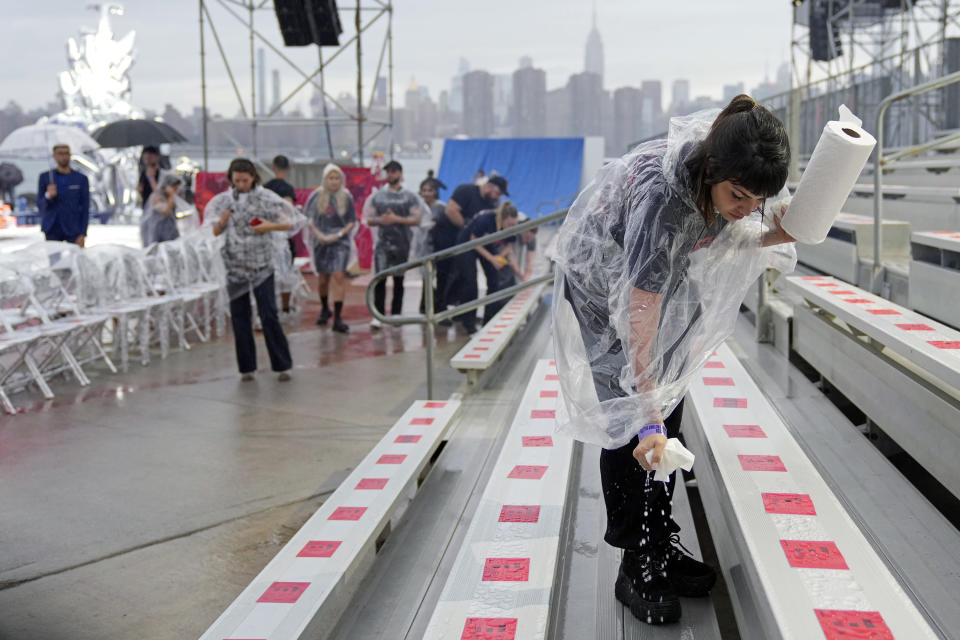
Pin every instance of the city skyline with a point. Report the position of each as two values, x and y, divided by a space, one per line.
174 78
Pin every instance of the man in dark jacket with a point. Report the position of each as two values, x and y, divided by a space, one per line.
63 197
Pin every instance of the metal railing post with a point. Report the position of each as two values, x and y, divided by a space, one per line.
878 161
430 316
428 312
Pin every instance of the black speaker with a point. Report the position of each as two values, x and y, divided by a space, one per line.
306 22
820 48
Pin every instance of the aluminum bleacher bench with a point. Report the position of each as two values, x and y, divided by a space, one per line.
900 368
894 192
501 582
847 252
487 344
902 191
935 273
795 563
304 589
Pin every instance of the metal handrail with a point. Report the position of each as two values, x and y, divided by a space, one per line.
878 161
430 318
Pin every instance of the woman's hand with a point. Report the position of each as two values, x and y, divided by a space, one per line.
224 217
654 442
498 262
778 235
265 227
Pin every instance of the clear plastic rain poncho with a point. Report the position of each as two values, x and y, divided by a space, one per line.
156 225
328 213
636 226
396 244
248 256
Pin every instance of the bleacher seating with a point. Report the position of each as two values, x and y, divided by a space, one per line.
306 586
502 580
847 252
935 273
795 563
900 368
489 343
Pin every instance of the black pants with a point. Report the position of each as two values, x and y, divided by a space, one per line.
638 507
496 281
461 285
380 296
240 318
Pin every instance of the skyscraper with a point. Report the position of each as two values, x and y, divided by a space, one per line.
478 104
586 104
627 117
680 97
593 56
529 102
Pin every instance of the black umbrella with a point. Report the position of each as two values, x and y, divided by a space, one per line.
136 133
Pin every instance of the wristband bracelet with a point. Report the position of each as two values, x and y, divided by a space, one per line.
651 429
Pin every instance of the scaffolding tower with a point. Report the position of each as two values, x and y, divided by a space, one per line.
373 124
857 52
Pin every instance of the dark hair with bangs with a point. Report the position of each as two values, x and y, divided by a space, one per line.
748 146
242 165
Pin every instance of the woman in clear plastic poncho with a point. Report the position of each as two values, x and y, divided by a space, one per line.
244 216
653 261
333 215
159 220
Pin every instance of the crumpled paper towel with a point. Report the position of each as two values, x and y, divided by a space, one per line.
675 456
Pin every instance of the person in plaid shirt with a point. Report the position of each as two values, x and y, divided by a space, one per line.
244 215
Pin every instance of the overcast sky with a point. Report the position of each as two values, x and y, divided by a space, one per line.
711 43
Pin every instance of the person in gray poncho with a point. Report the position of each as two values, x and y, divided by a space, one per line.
159 220
653 261
333 215
244 216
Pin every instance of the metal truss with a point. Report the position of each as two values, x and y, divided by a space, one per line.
242 14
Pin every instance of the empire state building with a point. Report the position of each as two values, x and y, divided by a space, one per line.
593 58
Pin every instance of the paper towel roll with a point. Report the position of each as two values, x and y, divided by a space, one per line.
833 169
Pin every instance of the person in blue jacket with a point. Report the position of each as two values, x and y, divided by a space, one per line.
63 197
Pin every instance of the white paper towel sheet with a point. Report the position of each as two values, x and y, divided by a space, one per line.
675 456
833 169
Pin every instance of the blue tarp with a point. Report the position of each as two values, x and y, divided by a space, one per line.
538 170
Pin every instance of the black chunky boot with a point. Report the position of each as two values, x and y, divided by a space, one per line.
643 587
689 577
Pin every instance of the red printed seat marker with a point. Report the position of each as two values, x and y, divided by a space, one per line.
813 554
407 439
853 625
520 513
761 463
319 549
719 382
945 344
714 364
744 431
435 405
506 570
914 327
347 513
489 629
283 592
527 472
537 441
543 413
884 312
730 403
421 422
794 504
549 393
391 458
372 484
